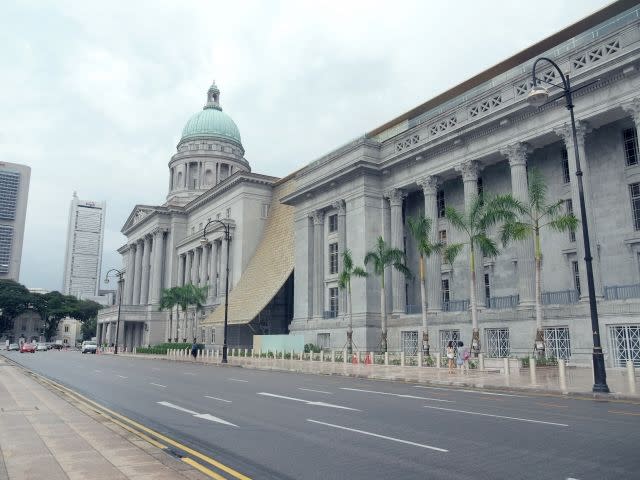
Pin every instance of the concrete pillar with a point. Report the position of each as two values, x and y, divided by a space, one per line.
340 206
137 280
398 297
121 340
204 267
130 275
631 377
146 270
582 129
517 156
433 275
223 269
156 269
197 265
188 276
181 265
562 375
318 263
213 272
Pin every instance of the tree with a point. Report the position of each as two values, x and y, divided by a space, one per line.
532 218
381 257
344 281
14 300
420 229
89 328
183 297
474 223
54 306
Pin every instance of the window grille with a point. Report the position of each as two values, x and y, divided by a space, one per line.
333 300
625 344
333 258
576 275
409 342
441 204
557 342
630 141
333 223
323 340
445 290
497 341
447 336
566 176
569 206
487 287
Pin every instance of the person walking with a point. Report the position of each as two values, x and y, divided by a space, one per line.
463 358
451 354
194 349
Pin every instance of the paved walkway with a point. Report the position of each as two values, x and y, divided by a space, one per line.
579 380
43 436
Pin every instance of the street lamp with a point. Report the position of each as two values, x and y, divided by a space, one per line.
227 237
120 276
538 96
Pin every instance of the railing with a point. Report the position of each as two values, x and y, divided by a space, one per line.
562 297
329 314
455 306
622 292
411 309
499 303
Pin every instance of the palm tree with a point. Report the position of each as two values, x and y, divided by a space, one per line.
344 281
381 257
533 217
474 223
183 297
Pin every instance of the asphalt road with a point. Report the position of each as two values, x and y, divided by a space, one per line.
294 426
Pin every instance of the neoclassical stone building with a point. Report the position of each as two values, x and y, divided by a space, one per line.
481 135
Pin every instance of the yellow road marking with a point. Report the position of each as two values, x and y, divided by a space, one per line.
552 405
618 412
139 434
168 440
204 470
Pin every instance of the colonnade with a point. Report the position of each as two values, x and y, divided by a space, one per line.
205 266
145 269
131 334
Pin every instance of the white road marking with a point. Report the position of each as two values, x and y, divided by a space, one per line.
309 402
397 395
377 435
188 373
219 399
155 368
158 385
204 416
472 391
121 376
98 371
498 416
317 391
238 380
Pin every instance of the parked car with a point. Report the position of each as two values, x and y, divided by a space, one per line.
89 346
42 347
14 347
27 348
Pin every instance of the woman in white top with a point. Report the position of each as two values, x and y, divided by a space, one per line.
451 355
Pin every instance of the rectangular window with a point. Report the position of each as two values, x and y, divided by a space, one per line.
557 342
576 276
333 258
441 204
445 291
333 223
447 336
566 176
487 286
442 237
634 190
66 328
630 141
497 340
625 344
323 340
569 205
265 210
480 186
409 343
228 213
333 301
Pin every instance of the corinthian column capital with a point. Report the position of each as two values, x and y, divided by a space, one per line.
341 207
395 196
429 184
516 153
317 216
633 109
469 169
564 132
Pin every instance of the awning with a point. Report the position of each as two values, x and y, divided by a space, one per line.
270 266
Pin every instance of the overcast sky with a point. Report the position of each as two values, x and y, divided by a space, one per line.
94 95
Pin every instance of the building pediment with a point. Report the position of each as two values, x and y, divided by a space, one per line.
139 214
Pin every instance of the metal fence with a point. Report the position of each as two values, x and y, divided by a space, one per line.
500 303
562 297
622 292
329 314
455 306
411 309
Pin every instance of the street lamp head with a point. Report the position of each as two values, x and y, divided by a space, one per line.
106 279
203 241
538 96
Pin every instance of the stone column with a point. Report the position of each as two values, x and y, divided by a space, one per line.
158 262
195 266
525 253
213 272
582 129
318 263
429 185
469 170
146 270
181 262
130 275
398 296
108 335
99 334
188 267
137 279
340 206
223 269
206 267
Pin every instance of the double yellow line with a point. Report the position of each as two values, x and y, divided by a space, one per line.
151 436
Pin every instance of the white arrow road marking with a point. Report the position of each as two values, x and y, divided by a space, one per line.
204 416
397 395
316 391
379 436
121 376
309 402
498 416
238 380
157 385
219 399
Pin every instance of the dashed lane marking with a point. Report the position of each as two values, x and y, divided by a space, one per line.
219 399
238 380
121 376
397 395
308 402
316 391
498 416
157 385
619 412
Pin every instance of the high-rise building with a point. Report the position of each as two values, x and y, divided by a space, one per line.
83 257
14 193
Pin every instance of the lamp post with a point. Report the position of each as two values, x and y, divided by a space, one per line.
227 237
120 276
538 96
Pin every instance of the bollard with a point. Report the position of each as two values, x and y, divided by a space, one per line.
371 359
562 375
438 359
419 358
386 358
402 359
344 355
322 355
481 361
506 366
333 356
631 377
245 352
532 370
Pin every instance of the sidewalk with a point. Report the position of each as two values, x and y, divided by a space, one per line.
579 380
42 435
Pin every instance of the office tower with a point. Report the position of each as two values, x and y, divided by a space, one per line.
14 193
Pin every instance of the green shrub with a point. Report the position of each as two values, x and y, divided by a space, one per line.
161 349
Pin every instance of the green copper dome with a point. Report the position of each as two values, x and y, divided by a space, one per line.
211 121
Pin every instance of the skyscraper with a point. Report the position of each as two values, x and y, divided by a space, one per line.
83 257
14 193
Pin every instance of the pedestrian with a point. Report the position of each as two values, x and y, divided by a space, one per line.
463 358
450 356
194 349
